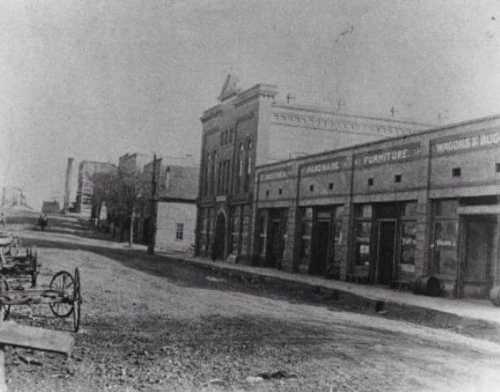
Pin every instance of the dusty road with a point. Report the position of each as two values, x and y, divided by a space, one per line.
154 325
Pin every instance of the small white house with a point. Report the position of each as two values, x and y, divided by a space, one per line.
176 208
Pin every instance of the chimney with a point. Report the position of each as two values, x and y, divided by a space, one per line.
69 172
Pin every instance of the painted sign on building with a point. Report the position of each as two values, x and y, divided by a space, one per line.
324 166
275 174
462 143
395 154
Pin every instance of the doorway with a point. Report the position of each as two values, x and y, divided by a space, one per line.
275 237
386 246
476 277
220 237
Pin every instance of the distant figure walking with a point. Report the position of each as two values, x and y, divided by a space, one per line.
43 221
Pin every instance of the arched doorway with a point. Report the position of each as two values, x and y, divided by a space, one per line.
220 237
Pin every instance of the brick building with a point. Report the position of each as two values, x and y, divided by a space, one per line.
248 128
85 187
416 209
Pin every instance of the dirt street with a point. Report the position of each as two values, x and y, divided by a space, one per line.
149 324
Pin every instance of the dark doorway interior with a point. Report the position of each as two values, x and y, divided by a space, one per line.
321 252
275 238
220 237
386 251
479 243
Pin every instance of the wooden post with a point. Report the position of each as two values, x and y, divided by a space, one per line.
154 212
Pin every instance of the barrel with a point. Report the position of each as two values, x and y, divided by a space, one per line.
495 295
429 285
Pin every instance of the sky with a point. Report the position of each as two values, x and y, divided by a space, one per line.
96 79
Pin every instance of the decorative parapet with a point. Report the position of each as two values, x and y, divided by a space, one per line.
308 118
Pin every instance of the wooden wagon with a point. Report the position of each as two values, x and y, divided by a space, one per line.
63 295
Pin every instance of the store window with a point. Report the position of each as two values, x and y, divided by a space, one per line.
408 237
306 233
445 237
363 231
262 233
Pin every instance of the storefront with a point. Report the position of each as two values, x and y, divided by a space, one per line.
321 237
385 242
464 244
272 226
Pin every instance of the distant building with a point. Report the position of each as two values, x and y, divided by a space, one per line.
249 128
85 190
14 197
132 163
177 189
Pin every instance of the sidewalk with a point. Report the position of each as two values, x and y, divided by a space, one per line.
471 310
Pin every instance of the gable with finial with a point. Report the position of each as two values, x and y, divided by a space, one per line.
230 88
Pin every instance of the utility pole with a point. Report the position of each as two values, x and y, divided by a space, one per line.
152 240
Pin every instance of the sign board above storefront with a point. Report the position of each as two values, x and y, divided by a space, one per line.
324 166
389 155
463 143
275 174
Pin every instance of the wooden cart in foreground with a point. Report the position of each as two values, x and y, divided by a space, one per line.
63 295
18 264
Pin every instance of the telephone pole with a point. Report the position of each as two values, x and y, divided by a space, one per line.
154 200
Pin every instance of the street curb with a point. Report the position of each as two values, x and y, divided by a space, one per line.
354 301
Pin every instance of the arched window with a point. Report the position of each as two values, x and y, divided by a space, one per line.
248 165
213 174
241 162
206 175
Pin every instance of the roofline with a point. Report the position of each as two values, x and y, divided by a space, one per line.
324 109
101 162
241 94
380 141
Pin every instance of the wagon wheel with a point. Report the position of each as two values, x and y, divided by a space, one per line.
64 284
34 269
77 301
4 287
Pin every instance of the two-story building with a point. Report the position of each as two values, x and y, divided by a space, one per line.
249 128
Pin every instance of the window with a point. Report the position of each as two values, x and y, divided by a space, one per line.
330 185
311 188
239 176
398 177
370 181
497 167
445 237
267 193
248 165
179 231
363 235
280 191
219 178
456 172
306 234
213 173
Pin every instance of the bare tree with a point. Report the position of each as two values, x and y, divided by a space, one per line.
123 194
